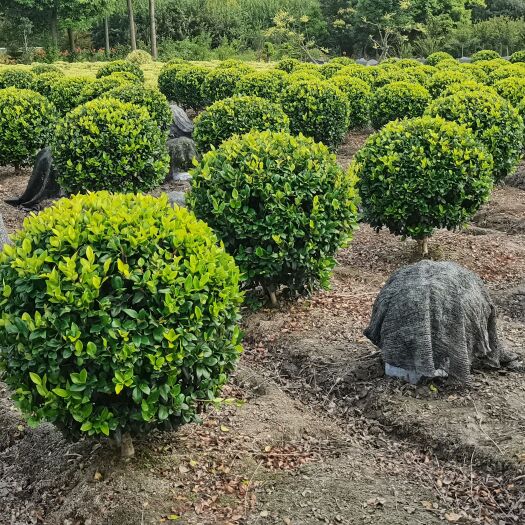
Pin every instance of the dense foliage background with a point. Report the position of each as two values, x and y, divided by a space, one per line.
259 29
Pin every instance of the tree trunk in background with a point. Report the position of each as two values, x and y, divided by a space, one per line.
71 38
106 36
54 27
153 26
132 30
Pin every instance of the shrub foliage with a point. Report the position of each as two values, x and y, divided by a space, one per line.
26 123
151 99
493 120
237 115
16 77
317 109
420 174
110 145
121 66
398 100
281 205
117 313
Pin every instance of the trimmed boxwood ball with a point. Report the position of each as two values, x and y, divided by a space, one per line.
106 144
441 80
494 121
510 70
152 99
39 69
467 85
139 56
100 86
27 121
448 65
281 205
166 80
518 56
387 76
187 87
345 61
489 66
421 174
485 54
330 69
396 101
236 116
358 93
317 109
511 89
305 74
121 66
16 77
67 93
439 56
368 74
476 72
265 84
43 83
220 83
119 313
408 63
233 63
287 64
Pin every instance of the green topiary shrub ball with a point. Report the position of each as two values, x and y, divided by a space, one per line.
40 69
110 145
494 121
441 80
152 99
265 84
187 85
16 77
485 54
437 57
119 313
421 174
27 121
518 56
221 83
167 79
359 94
237 115
396 101
139 56
511 89
317 109
66 93
281 205
121 66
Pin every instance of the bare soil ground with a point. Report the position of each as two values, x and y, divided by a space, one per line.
317 433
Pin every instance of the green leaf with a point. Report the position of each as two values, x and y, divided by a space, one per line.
35 378
60 392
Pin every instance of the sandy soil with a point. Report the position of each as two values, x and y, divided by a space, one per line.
317 434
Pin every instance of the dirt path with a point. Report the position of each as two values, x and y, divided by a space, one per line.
315 433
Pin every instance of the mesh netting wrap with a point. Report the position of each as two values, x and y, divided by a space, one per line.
434 319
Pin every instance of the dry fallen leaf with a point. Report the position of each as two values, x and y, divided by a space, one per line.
452 517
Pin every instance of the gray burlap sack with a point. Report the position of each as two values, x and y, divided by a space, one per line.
433 319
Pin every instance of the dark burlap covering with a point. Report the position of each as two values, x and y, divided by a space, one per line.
436 315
